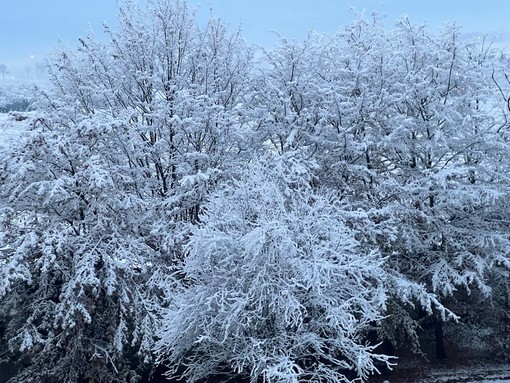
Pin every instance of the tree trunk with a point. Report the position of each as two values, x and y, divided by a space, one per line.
438 329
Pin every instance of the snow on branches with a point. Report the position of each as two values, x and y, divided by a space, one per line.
174 201
276 285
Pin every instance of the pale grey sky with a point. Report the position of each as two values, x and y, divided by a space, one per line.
30 28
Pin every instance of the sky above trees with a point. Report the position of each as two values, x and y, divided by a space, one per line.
30 29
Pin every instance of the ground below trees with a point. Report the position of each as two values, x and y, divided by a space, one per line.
460 366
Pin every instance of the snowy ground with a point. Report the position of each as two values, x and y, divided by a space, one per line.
492 374
476 373
10 129
493 381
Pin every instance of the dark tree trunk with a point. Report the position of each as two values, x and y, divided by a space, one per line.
438 329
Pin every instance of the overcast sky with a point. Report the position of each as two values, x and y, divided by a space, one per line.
30 28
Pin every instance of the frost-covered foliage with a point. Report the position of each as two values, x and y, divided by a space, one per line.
78 255
95 201
276 285
410 128
348 180
166 93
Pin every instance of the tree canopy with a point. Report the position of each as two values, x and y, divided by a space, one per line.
177 203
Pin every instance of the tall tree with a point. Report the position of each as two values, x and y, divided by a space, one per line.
407 127
132 136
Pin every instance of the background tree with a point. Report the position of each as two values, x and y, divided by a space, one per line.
438 136
3 70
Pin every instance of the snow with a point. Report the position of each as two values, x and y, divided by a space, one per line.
10 129
362 185
493 381
475 374
474 381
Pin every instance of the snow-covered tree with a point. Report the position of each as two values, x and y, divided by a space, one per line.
442 158
95 201
276 285
440 161
408 127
